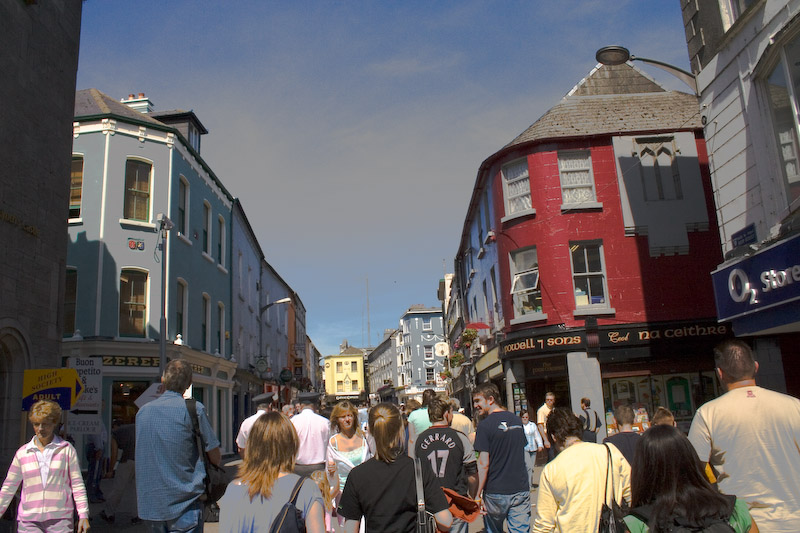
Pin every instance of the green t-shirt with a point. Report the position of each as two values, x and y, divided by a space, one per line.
740 520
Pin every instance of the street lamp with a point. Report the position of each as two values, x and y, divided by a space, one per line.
617 55
281 301
261 334
165 224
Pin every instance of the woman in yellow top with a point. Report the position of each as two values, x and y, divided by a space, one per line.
669 488
572 486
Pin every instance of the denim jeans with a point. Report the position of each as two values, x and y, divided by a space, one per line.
459 526
191 521
515 508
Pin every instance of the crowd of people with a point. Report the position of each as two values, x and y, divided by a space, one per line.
362 470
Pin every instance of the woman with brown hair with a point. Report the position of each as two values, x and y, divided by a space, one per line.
265 481
382 491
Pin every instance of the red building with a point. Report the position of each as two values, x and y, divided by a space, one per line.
586 250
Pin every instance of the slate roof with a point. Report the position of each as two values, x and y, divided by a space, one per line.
91 102
613 100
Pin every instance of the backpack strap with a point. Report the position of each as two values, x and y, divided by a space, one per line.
277 523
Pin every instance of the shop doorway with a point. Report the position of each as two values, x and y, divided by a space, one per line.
538 388
123 396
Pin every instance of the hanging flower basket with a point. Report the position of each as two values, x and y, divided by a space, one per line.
456 359
445 375
467 338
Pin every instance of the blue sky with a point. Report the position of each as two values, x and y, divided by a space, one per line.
352 131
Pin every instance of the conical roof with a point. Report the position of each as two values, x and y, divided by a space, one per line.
614 100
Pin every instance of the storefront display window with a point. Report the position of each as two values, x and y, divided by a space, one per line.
681 393
123 396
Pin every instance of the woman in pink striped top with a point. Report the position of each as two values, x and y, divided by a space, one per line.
52 485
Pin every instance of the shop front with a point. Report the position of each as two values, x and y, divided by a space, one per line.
127 370
644 365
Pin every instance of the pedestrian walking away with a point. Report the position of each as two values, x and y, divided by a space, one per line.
449 456
626 439
382 491
670 490
170 472
265 483
123 437
750 436
313 432
573 486
591 421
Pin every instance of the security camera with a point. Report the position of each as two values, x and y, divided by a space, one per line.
164 221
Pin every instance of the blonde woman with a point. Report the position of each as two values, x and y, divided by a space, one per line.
265 481
382 491
48 469
348 447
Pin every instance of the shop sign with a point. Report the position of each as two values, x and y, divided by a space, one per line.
83 424
547 367
130 360
766 279
547 343
90 371
60 385
620 337
136 244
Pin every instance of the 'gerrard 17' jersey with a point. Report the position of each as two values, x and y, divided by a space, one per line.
449 454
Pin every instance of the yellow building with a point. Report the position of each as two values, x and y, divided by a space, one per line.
344 376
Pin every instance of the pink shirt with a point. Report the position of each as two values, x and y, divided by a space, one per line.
312 431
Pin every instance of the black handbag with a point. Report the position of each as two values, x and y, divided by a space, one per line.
290 519
217 478
611 516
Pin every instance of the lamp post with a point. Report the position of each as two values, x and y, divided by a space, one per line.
261 335
165 224
617 55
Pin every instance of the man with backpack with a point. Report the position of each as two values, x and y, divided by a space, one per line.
590 420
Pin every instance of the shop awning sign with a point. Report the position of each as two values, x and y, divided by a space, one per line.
61 385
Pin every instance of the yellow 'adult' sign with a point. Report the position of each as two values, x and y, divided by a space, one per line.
61 385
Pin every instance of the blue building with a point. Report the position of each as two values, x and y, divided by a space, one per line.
130 167
420 364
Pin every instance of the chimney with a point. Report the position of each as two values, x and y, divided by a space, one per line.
139 103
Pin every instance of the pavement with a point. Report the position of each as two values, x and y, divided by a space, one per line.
126 512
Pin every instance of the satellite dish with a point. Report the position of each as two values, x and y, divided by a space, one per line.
442 349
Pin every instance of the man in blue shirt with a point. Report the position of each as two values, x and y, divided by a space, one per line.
169 469
503 477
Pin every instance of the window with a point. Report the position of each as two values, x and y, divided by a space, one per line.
183 202
221 242
517 187
730 10
659 167
430 375
207 228
339 367
588 274
428 352
525 292
180 310
137 190
783 89
340 386
132 303
354 385
427 324
70 301
221 330
205 332
76 187
353 366
577 183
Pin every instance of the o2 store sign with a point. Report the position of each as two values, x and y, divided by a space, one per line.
766 279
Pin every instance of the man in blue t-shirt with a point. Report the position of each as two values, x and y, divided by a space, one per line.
503 479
